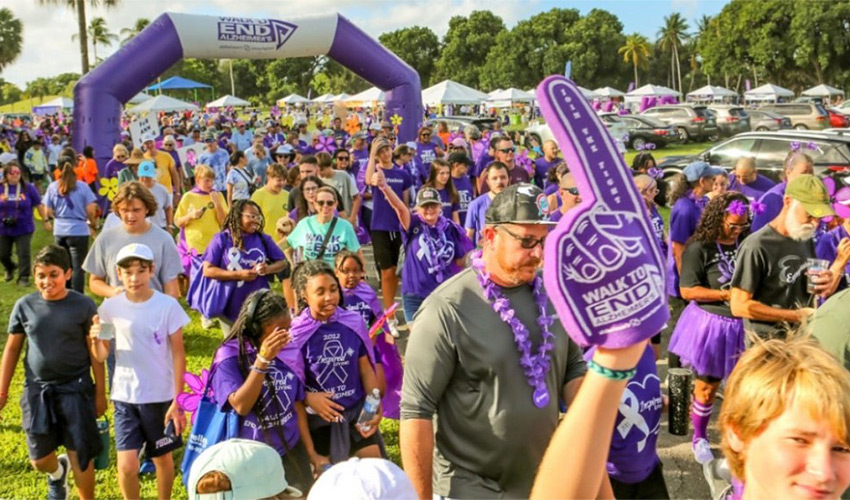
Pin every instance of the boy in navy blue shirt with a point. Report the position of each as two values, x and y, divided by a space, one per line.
60 404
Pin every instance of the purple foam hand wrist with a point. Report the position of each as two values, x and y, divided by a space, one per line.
604 273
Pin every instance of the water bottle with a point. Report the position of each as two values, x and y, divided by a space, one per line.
101 461
370 407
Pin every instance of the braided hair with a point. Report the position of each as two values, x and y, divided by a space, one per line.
233 220
710 227
301 276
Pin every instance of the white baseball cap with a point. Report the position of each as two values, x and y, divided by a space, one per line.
134 251
366 478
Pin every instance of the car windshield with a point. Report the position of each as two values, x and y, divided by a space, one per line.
739 112
611 118
830 153
821 110
652 122
703 112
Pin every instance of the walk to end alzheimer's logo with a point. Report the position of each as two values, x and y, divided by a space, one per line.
255 31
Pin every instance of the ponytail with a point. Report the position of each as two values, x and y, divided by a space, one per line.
67 176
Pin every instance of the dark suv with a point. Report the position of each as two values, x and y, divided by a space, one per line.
691 122
830 151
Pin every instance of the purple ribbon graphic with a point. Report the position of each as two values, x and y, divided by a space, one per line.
603 270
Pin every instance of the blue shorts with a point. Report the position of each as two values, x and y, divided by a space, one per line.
138 425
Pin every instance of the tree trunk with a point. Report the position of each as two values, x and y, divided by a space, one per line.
818 70
232 85
84 40
636 75
678 69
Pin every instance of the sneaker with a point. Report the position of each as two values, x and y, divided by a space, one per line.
57 489
147 467
702 451
24 282
718 476
9 276
392 326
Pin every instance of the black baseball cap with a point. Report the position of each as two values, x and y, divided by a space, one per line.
519 204
427 196
460 158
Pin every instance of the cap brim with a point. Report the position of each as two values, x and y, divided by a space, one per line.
535 222
429 202
818 210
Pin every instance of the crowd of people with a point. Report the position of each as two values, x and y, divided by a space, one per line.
457 221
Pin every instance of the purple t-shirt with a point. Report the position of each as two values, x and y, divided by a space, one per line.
272 140
753 190
541 168
658 228
17 203
276 407
772 201
359 160
114 166
448 206
384 217
332 360
465 195
483 161
475 215
634 444
684 218
425 154
362 300
430 254
256 248
827 248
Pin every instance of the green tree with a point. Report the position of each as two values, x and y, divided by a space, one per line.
99 34
820 32
636 52
417 46
671 37
11 37
80 7
39 88
592 47
466 45
127 34
9 92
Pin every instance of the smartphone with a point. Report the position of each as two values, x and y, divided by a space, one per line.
107 331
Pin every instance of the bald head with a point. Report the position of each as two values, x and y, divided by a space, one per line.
745 170
550 150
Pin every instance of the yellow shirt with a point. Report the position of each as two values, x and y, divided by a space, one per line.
199 232
273 206
164 163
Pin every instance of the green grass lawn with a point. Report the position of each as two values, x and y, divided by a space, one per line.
23 482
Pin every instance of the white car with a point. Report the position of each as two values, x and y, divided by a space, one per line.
618 130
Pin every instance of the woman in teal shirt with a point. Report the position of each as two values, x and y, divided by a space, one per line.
308 240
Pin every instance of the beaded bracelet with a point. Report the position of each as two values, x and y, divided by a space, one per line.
259 370
263 359
609 373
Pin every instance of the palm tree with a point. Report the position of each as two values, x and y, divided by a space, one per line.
100 35
11 41
635 51
127 34
671 37
80 7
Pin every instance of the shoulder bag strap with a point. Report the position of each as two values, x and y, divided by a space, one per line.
327 238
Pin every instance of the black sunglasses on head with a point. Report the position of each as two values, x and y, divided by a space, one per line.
573 190
508 150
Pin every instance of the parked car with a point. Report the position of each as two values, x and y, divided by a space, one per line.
831 151
691 122
644 130
540 133
761 120
460 122
730 119
837 119
803 115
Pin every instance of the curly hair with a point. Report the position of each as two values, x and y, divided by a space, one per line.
680 188
233 220
301 276
710 227
639 164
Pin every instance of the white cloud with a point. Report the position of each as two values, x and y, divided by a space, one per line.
48 49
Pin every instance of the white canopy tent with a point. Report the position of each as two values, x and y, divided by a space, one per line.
293 99
650 90
494 92
767 92
139 98
369 95
59 102
588 94
511 94
608 92
227 100
823 91
324 98
711 93
449 92
162 103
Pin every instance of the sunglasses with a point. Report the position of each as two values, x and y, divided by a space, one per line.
573 190
342 158
325 203
508 150
526 242
738 226
14 171
425 135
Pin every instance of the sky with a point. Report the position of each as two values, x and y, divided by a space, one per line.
48 49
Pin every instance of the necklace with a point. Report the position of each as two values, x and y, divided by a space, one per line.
537 366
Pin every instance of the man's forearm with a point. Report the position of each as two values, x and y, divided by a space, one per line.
416 440
755 310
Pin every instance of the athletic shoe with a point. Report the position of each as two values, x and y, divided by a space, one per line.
718 476
392 326
702 451
24 282
9 276
147 467
57 489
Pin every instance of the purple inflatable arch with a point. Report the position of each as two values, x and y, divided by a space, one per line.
100 94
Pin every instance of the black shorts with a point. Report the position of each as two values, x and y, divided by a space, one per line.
650 488
80 427
387 248
297 468
320 431
138 425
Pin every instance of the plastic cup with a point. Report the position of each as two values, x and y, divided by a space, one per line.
813 268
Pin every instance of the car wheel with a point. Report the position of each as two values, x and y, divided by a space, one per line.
762 129
683 134
800 126
638 143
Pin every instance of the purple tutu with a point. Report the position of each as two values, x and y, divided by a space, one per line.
709 343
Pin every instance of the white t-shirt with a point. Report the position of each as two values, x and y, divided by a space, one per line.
144 371
163 201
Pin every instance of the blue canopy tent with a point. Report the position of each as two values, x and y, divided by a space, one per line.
180 83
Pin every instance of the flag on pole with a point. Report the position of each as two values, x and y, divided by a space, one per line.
568 69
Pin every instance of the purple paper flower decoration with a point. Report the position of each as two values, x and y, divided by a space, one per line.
839 196
522 160
737 207
795 146
190 401
655 173
757 207
326 144
812 146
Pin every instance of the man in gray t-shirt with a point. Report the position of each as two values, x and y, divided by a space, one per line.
463 366
346 188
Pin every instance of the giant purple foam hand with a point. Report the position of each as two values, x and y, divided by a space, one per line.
603 270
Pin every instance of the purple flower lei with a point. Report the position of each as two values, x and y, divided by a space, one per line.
535 367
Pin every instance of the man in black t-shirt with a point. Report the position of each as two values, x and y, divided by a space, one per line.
769 285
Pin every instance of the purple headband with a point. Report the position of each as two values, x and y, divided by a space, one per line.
738 207
796 146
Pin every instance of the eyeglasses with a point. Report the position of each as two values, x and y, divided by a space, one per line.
342 158
738 226
251 216
573 190
325 203
508 150
526 242
14 171
310 189
425 135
